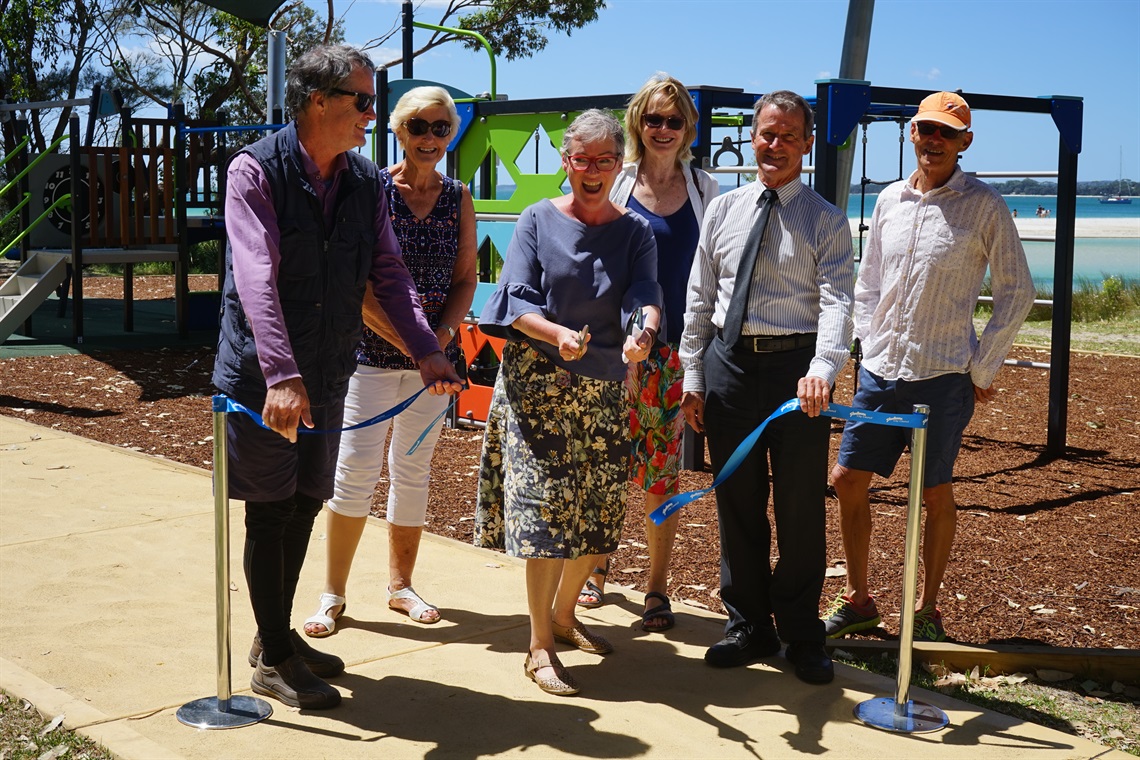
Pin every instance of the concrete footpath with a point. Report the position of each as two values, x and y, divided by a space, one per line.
107 617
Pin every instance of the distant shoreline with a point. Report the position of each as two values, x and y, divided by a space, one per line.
1085 228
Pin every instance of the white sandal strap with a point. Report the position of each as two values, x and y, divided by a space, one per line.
322 617
419 607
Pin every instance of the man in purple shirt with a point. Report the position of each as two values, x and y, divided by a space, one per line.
308 231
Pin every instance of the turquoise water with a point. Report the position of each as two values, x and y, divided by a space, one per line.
1088 207
1093 258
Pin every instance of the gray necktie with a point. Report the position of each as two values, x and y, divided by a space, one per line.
734 319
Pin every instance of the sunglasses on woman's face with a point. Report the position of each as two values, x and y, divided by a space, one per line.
363 102
655 120
419 127
928 128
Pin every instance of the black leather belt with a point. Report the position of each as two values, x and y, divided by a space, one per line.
765 344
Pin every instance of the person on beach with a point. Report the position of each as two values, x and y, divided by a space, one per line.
308 233
768 319
434 221
580 271
932 238
658 184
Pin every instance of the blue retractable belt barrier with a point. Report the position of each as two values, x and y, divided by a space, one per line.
234 406
662 513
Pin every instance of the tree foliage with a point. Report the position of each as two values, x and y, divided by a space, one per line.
513 28
156 52
46 51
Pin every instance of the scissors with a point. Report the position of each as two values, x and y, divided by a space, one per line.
582 335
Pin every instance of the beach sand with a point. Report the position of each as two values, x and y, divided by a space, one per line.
1085 228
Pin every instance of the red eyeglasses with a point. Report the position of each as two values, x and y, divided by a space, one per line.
603 164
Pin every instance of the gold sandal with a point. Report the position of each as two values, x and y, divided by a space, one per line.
580 636
562 684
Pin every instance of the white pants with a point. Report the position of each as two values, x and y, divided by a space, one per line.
370 391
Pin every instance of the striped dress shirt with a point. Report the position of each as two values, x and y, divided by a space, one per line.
921 274
801 283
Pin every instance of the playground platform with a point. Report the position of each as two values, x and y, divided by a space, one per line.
154 326
107 617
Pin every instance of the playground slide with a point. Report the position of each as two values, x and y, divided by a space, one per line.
35 280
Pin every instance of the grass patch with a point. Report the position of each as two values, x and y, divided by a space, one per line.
25 733
1079 708
1105 317
205 258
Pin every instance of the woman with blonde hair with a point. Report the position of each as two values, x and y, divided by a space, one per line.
658 184
434 221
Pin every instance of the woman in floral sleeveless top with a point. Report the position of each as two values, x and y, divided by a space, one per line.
434 220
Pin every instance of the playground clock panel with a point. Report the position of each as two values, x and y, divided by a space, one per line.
58 184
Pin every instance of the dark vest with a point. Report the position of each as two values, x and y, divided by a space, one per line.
320 281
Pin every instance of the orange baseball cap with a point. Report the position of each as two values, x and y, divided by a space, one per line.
945 108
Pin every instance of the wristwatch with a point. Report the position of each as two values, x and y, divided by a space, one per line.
449 328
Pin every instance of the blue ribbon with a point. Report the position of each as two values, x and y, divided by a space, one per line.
661 514
432 424
233 406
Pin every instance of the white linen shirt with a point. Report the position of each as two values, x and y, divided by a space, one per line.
801 283
920 278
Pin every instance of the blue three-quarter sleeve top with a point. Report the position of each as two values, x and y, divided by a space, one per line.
576 275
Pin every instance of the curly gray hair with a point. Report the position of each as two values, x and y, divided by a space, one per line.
595 125
320 70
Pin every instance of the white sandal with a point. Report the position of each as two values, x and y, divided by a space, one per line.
418 609
322 617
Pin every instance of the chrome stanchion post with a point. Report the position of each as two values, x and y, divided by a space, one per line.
904 715
224 710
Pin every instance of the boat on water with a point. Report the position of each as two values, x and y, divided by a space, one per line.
1118 196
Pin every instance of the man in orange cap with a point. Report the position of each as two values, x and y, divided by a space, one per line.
932 237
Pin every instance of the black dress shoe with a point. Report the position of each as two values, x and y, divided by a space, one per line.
740 648
294 684
813 664
322 664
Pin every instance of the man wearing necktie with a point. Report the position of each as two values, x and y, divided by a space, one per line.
767 318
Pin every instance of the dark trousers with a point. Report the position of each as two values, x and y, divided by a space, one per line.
741 389
276 539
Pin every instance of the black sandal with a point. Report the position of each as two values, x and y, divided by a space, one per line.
663 610
592 591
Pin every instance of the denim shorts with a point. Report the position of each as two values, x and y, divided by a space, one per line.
877 448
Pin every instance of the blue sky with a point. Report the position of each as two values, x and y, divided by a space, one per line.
1027 48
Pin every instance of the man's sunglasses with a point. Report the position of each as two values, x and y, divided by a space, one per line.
655 120
363 102
928 128
419 127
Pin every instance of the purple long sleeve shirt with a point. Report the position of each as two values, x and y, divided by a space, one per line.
251 223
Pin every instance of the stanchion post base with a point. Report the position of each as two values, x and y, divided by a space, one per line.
206 712
917 718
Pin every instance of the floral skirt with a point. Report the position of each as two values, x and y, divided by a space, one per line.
655 420
554 469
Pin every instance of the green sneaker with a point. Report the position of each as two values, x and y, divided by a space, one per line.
928 624
844 617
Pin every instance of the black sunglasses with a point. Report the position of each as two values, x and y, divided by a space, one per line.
363 102
655 120
928 128
418 127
